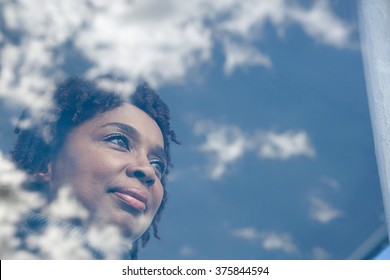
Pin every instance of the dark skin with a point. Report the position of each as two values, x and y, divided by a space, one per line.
114 164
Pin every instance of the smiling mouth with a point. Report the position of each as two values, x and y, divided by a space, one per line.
136 199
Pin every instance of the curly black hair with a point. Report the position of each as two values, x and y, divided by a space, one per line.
77 100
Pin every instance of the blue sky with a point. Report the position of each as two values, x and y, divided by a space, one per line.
277 158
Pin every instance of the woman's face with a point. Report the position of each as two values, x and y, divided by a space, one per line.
114 163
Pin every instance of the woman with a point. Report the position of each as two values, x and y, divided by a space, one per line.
112 154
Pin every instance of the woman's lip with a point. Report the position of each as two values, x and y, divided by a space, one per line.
131 201
134 197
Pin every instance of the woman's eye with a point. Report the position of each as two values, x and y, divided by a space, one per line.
119 140
159 166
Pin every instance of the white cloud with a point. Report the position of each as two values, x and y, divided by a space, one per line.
321 211
319 253
276 241
242 56
285 145
226 144
144 39
56 244
108 240
247 233
14 198
60 239
332 183
157 44
66 206
244 22
23 82
14 203
321 24
269 240
187 251
247 19
9 174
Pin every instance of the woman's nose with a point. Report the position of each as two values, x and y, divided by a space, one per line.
142 171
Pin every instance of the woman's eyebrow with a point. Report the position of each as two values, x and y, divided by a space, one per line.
160 152
129 130
134 134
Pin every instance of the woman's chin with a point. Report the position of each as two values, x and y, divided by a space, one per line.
131 227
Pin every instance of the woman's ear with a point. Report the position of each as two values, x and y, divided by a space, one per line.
45 175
